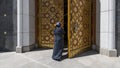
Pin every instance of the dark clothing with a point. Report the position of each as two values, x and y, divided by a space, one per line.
58 43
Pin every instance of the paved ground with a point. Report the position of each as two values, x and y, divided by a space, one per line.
42 59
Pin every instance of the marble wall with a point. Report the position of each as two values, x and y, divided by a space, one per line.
8 25
26 25
107 27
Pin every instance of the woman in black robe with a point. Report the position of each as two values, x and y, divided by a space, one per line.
58 43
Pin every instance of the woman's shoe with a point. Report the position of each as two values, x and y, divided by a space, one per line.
57 59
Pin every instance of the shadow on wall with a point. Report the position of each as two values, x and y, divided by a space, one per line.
117 36
98 7
8 25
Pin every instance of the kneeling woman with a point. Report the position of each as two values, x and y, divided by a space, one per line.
58 43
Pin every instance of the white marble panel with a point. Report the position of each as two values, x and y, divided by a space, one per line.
112 4
112 21
26 39
104 5
19 39
19 7
20 24
26 23
104 22
104 40
111 44
26 7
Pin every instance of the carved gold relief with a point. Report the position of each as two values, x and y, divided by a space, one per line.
50 11
79 26
79 23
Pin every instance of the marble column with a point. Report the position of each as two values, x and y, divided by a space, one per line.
25 25
107 28
19 26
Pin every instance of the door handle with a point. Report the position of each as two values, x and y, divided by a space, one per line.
75 27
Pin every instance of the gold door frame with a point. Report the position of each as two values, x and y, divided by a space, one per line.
79 48
93 22
68 28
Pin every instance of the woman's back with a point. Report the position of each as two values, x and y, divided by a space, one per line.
58 31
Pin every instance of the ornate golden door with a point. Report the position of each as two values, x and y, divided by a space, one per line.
50 11
79 26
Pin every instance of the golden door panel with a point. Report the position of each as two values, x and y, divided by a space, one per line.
50 11
79 26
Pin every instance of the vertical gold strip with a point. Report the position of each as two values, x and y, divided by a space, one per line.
90 24
40 23
68 28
